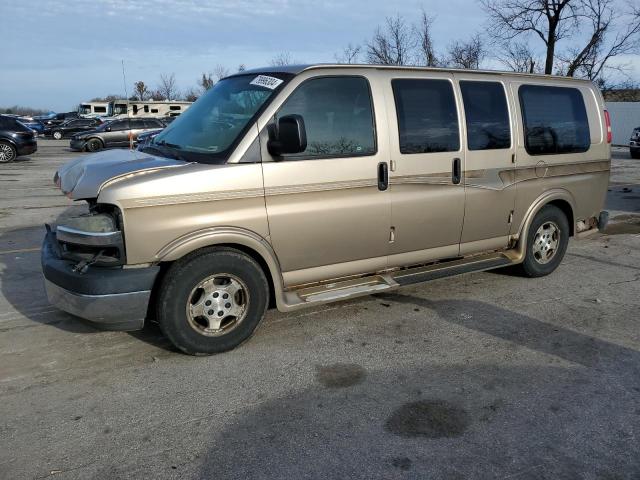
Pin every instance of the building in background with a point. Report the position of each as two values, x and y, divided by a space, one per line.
625 116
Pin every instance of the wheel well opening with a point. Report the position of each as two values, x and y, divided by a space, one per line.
164 266
565 207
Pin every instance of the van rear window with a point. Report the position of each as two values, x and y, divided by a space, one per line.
427 116
555 120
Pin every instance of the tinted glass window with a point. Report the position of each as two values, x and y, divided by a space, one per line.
119 125
337 114
138 123
427 116
555 120
174 107
100 109
487 115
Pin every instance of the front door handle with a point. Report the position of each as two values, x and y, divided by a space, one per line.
456 171
383 176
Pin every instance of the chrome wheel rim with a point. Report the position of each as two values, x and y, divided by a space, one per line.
6 153
217 305
546 242
57 135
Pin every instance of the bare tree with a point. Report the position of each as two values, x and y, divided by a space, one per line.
550 20
518 57
242 67
157 95
141 91
349 54
593 59
467 54
190 95
391 44
425 41
281 59
206 82
167 87
220 71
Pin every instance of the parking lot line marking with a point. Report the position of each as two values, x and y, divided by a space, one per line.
20 250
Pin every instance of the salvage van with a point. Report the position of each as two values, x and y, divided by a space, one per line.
301 185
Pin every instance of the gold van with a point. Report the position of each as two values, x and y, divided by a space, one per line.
302 185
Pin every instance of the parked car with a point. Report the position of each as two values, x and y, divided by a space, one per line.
73 126
634 143
15 139
33 124
116 133
144 139
303 185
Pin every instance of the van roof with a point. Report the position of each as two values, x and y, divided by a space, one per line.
296 69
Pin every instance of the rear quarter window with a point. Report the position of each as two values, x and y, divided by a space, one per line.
554 120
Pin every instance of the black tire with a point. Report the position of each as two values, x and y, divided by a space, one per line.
57 135
536 263
94 144
8 152
176 293
635 155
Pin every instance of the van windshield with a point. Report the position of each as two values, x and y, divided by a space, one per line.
212 126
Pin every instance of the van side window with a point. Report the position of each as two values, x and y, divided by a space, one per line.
337 114
487 115
427 116
555 120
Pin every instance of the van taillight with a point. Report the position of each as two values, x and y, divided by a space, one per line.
607 122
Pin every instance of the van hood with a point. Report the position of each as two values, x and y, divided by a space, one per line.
84 177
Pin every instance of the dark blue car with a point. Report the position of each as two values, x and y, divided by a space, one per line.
32 123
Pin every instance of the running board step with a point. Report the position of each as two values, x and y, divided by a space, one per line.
449 269
356 287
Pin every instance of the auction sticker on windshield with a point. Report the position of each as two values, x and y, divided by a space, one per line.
266 81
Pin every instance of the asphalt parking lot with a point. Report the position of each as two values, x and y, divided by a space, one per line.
486 375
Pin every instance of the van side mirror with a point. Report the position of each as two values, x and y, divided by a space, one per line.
290 136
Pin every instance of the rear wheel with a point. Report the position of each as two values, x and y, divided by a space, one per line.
7 152
547 242
212 301
57 135
635 153
94 144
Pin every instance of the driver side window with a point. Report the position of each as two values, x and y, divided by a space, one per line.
338 117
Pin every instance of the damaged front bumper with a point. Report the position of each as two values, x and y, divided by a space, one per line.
116 298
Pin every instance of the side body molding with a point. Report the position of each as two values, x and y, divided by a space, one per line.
518 253
207 237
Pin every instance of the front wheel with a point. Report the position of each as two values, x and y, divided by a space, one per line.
212 301
94 144
547 242
57 135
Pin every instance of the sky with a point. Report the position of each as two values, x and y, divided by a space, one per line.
54 55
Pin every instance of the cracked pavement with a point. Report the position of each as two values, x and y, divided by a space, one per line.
485 375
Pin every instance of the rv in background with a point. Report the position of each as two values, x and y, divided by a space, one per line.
93 109
132 108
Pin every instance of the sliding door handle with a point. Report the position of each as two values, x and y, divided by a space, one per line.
383 176
456 171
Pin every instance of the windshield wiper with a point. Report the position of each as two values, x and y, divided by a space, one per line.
163 152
